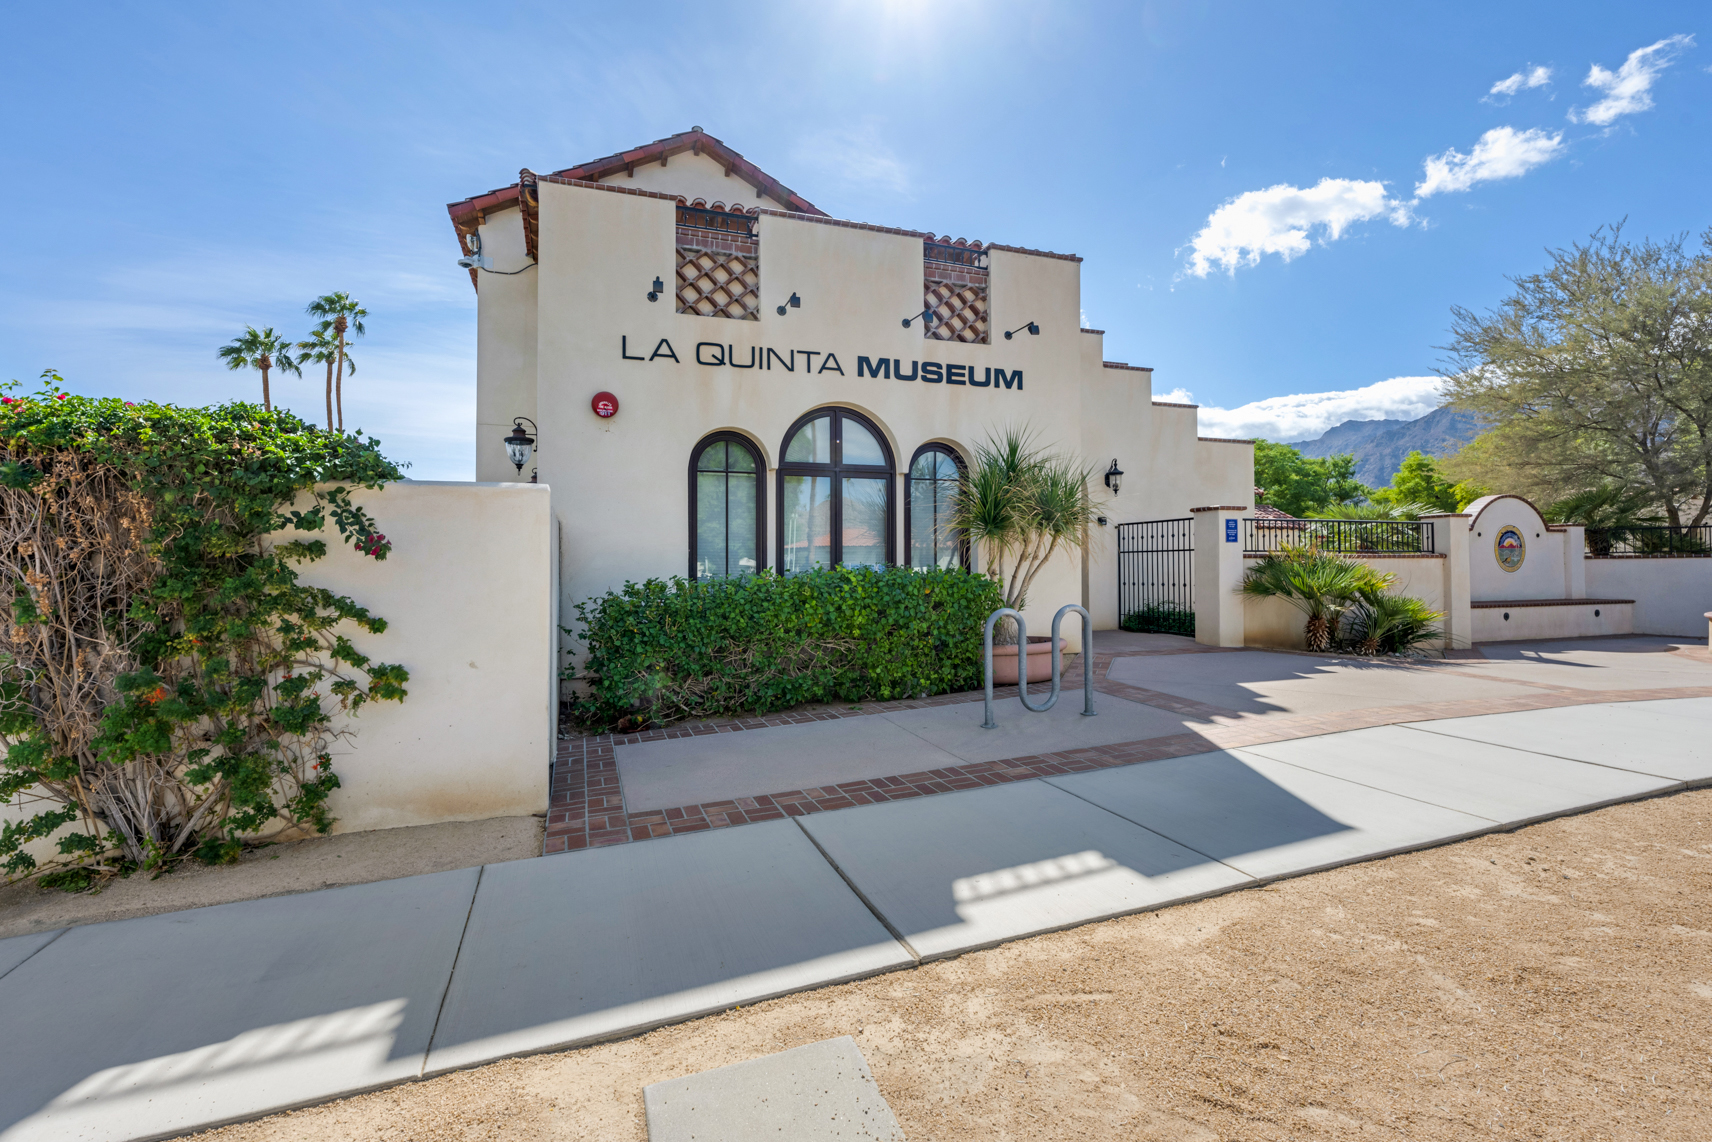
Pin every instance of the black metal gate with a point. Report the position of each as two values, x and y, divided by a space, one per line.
1156 576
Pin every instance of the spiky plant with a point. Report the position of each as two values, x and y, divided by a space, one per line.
1382 623
1320 585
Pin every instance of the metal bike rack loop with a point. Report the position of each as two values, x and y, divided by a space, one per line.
1057 662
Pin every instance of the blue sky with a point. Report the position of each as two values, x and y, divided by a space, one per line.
1273 202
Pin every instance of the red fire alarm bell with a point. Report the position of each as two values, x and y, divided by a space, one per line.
604 405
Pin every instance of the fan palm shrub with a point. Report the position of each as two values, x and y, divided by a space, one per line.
342 315
1383 623
263 350
1320 585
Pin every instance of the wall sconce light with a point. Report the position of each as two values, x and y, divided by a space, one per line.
519 444
1101 519
1114 476
794 303
926 315
1033 330
659 288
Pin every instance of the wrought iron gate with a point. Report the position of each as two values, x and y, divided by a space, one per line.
1156 576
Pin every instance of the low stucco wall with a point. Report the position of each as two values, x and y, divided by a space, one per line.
1273 622
1671 596
1581 619
467 593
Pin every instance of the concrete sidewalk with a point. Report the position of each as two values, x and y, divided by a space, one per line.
165 1024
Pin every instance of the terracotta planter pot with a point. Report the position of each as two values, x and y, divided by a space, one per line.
1039 661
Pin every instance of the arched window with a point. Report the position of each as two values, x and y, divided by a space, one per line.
932 541
726 508
835 493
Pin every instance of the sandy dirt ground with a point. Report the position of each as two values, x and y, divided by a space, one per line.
300 866
1552 983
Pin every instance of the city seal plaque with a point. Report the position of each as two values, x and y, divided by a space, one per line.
1510 547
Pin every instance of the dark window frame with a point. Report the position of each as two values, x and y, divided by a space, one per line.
837 470
760 493
962 468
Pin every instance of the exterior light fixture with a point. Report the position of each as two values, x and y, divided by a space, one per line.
794 303
659 288
926 316
1033 331
1114 476
520 444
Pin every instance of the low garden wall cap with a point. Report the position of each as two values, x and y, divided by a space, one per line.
1222 508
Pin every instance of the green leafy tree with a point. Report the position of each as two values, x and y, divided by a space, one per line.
322 348
1421 486
1596 371
1304 485
263 350
344 317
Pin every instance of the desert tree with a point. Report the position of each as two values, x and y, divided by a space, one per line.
322 348
1597 373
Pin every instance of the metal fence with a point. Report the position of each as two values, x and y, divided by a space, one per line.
1649 542
1156 576
1340 536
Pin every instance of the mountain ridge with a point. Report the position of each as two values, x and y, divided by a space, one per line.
1381 446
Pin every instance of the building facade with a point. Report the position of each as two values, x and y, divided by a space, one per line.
722 377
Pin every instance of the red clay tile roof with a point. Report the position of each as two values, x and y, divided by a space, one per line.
468 213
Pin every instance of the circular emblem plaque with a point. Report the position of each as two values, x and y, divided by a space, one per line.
1510 547
604 405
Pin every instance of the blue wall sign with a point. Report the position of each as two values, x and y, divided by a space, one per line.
1230 531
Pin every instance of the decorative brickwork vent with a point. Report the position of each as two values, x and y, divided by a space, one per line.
955 290
719 261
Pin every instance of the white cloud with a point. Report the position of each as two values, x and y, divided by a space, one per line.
1502 152
1280 220
1305 416
1627 90
1533 77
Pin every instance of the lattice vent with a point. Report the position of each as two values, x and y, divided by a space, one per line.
717 284
960 312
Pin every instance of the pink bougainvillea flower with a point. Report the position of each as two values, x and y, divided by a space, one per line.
60 396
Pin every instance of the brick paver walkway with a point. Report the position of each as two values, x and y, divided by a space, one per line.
587 807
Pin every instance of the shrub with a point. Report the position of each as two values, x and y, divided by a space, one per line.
1161 618
661 651
1320 585
1380 623
165 680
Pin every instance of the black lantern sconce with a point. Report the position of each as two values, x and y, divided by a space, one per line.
1033 331
794 303
519 444
1114 476
659 288
926 315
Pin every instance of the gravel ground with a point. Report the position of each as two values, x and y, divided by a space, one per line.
1554 982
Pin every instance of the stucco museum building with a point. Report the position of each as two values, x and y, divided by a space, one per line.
718 376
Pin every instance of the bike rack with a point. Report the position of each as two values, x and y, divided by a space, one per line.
1057 662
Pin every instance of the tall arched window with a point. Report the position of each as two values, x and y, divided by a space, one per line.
726 508
835 493
932 541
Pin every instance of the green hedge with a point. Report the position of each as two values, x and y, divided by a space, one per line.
1160 618
659 651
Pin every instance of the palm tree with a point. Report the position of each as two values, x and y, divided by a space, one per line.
1317 583
1018 503
322 348
262 350
346 315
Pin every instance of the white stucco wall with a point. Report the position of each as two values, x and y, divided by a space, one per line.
621 485
467 595
1671 596
1581 619
1545 572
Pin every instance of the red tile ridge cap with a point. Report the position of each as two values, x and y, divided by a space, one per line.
1085 329
828 220
1222 508
1172 404
1126 365
1222 439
